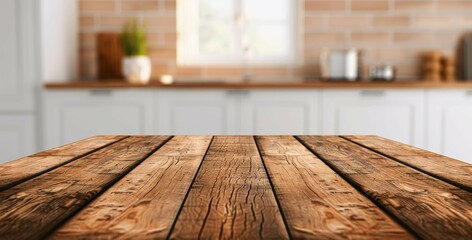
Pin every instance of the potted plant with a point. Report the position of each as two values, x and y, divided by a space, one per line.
136 65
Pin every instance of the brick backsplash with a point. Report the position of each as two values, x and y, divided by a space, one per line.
389 32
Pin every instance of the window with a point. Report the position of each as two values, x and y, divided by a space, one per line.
236 32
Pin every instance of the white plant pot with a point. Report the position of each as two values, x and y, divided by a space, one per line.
137 69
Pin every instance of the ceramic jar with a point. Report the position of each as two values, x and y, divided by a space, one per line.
137 69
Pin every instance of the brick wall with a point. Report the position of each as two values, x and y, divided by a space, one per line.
390 32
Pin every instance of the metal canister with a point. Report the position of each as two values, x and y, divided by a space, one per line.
382 73
342 65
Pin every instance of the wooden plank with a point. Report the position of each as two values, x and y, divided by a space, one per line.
431 208
317 203
23 169
145 203
447 169
231 196
34 208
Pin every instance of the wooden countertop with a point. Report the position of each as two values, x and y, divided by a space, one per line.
275 187
256 85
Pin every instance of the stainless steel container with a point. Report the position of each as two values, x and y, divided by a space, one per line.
382 73
340 65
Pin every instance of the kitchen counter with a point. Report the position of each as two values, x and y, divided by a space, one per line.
272 187
258 85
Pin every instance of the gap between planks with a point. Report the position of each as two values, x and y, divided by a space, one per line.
145 202
407 194
36 208
328 199
124 174
359 190
11 179
188 191
462 181
284 218
231 195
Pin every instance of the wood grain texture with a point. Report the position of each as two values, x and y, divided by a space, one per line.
34 208
316 201
231 196
447 169
431 208
143 204
109 56
23 169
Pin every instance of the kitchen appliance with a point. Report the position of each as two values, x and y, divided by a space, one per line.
340 65
382 73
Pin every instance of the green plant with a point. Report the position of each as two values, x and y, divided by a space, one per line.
133 38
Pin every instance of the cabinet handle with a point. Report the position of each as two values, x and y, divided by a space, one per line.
100 92
231 92
468 93
243 92
237 93
373 93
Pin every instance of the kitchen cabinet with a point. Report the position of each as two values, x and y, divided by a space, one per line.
17 136
450 123
237 112
192 112
18 48
394 114
73 115
281 112
18 74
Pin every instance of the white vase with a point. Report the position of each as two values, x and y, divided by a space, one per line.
137 69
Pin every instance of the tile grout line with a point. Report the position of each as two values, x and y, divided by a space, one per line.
359 189
105 188
287 228
456 184
171 229
8 186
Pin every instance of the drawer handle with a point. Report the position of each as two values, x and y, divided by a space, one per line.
100 92
237 93
231 92
243 92
373 93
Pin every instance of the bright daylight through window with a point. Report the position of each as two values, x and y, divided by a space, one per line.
236 32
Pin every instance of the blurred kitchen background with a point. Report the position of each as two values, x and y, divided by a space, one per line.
394 68
388 31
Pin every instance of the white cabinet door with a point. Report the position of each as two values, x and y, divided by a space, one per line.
17 137
18 47
450 123
394 114
280 112
74 115
188 112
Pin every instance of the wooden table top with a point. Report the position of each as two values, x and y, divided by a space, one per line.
241 187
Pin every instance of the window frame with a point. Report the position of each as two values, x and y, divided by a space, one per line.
188 31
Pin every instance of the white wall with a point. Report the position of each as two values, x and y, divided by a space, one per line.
59 29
